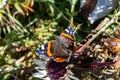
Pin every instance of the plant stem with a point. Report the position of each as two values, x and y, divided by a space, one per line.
71 19
73 2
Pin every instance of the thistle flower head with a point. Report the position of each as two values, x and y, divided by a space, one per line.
56 70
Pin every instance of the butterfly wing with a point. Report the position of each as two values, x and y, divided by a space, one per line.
42 51
68 38
69 33
52 49
58 49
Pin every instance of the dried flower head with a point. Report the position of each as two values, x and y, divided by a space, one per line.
113 44
51 69
41 70
117 61
56 70
117 64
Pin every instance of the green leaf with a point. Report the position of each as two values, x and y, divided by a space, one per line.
51 9
19 8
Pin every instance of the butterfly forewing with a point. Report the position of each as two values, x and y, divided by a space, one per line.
42 51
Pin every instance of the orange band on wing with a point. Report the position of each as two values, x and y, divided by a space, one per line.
48 49
59 59
74 48
67 35
117 40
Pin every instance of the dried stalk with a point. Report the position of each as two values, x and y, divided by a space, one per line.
81 49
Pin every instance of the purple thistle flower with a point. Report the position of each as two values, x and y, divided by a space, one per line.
56 70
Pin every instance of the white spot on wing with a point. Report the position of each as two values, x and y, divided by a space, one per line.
43 52
42 47
67 30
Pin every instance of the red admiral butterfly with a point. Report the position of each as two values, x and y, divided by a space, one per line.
60 48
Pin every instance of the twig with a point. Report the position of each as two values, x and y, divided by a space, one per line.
62 14
81 49
69 57
102 24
